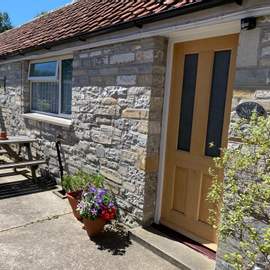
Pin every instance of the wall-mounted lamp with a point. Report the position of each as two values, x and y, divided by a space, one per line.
248 23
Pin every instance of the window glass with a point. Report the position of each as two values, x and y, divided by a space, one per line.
217 103
51 93
45 97
46 69
187 102
66 89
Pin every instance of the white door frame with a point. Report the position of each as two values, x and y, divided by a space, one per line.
176 37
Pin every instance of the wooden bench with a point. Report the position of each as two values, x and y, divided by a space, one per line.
20 162
23 164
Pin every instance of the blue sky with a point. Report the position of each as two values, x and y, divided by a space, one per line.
22 11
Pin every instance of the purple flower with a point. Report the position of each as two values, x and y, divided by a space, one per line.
94 212
110 205
101 192
92 189
99 200
94 201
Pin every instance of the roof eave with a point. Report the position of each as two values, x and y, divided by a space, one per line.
122 26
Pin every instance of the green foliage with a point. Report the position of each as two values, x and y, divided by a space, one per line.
80 180
245 208
97 180
5 23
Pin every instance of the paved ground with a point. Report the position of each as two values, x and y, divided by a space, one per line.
37 231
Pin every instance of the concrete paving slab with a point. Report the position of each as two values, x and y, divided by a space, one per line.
24 209
8 176
38 232
62 244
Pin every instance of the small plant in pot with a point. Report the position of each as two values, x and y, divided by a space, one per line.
74 185
96 207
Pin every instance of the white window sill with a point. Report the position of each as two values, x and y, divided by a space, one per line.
48 119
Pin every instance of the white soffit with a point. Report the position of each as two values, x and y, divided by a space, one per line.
205 31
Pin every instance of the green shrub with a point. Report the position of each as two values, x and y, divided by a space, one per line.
245 208
80 180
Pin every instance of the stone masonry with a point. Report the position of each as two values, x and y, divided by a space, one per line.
116 114
252 83
116 119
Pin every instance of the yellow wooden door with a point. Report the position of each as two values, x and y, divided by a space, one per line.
199 114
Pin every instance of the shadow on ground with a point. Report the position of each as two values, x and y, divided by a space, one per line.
24 187
114 239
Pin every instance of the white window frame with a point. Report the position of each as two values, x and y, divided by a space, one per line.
57 78
44 78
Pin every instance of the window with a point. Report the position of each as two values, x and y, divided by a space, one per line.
51 87
217 103
46 70
187 102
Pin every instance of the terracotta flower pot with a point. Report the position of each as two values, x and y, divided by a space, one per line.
94 227
3 135
73 198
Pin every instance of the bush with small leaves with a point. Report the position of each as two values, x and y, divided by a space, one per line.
243 198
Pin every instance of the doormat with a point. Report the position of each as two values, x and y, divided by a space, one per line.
186 241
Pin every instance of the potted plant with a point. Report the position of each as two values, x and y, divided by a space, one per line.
74 185
3 135
96 207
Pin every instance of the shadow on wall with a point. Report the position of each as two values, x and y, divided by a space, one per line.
47 136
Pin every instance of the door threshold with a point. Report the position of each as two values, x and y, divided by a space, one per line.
170 226
172 250
197 246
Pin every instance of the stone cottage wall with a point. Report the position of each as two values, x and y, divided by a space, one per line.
13 98
116 118
252 83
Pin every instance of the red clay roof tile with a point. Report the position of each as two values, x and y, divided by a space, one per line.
81 17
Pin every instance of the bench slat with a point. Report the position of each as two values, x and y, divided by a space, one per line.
22 164
17 140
